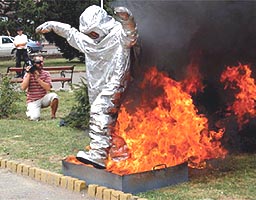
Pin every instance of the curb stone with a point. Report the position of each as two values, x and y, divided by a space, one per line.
66 182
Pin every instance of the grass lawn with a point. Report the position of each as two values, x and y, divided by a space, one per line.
44 144
233 178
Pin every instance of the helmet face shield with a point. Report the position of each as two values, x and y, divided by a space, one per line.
96 33
93 35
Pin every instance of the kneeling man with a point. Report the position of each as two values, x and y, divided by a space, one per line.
37 83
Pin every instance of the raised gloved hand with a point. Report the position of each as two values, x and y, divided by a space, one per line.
59 28
44 28
122 13
125 17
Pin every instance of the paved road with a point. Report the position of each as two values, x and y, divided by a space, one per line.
76 80
50 49
17 187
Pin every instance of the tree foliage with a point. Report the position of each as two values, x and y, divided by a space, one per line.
23 13
68 12
80 113
8 97
31 13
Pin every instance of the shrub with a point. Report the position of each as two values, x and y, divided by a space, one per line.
80 114
8 97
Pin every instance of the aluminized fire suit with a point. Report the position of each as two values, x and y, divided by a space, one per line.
107 60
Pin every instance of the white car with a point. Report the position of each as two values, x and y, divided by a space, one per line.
7 47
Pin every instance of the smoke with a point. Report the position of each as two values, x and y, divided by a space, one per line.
218 33
170 30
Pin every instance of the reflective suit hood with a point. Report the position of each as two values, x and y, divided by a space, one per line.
96 19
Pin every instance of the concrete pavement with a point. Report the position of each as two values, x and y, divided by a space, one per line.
17 187
76 80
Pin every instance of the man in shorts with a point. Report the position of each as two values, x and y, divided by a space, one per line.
37 83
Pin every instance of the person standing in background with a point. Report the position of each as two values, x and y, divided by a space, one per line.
20 42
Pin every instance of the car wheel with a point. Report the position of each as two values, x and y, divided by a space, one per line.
29 50
13 53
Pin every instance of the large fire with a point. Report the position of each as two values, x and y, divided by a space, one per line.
239 78
165 129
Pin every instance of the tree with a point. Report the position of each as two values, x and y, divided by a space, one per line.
79 115
68 12
31 13
8 97
6 11
23 13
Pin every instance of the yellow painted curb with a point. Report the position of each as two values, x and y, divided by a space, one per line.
3 163
80 185
99 192
25 171
115 195
92 190
125 196
107 194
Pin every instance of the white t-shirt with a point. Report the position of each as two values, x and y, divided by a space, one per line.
20 39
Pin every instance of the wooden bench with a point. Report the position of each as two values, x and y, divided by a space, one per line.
62 70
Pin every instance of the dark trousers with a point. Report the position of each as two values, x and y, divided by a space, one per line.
21 54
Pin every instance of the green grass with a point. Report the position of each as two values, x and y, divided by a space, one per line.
233 178
44 144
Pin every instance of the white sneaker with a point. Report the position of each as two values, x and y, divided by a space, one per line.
85 157
27 113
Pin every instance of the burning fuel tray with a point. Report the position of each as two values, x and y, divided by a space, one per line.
130 183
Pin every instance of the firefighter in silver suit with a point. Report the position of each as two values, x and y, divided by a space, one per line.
106 42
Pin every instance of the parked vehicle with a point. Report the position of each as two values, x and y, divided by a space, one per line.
7 47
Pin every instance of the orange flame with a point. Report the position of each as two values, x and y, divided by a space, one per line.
193 82
166 129
239 77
